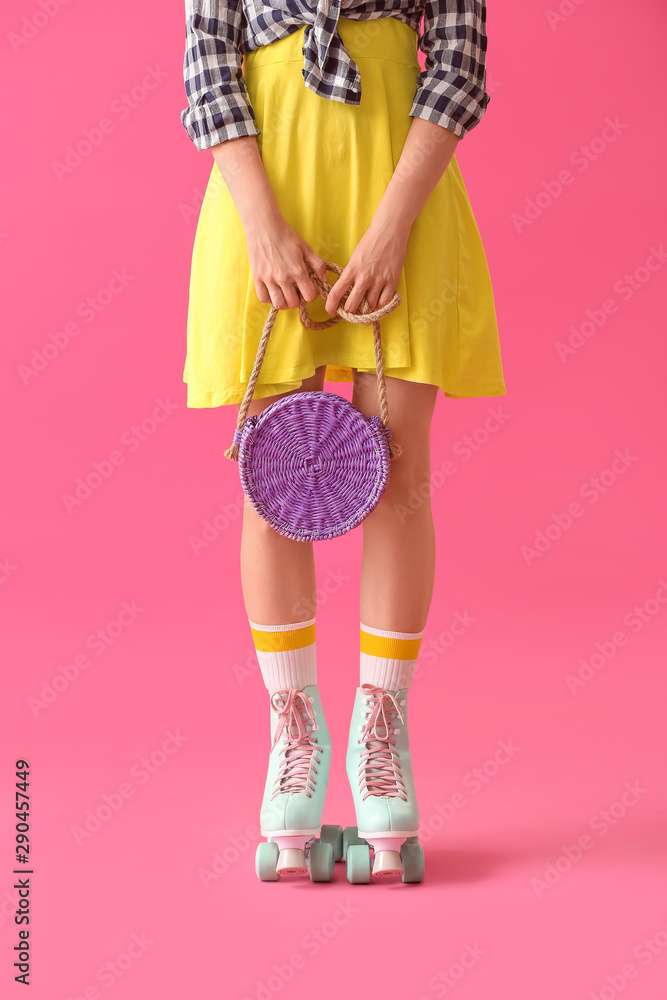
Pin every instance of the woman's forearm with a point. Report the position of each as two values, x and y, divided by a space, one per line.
241 166
426 153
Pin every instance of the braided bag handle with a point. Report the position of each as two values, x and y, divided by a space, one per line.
366 317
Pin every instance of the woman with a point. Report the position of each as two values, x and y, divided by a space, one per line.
330 144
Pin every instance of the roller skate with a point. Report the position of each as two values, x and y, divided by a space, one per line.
296 784
385 841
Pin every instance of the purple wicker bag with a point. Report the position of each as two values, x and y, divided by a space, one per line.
311 463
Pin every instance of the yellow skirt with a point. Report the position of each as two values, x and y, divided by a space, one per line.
329 164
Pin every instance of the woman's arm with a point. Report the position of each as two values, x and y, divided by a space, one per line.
426 154
218 104
240 163
451 89
374 268
220 117
277 253
450 99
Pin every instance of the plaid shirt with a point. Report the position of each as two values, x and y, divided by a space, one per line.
450 91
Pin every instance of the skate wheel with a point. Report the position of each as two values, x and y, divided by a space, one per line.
350 837
412 856
322 862
358 864
333 835
266 859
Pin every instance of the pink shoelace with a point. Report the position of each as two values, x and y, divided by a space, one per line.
380 768
296 721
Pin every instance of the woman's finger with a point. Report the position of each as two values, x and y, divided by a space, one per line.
291 294
262 291
373 294
338 290
305 283
307 288
316 262
355 296
386 296
277 296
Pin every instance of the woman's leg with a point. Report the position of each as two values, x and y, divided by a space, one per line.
397 576
398 564
277 573
278 581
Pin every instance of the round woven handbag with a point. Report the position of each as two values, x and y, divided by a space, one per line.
311 463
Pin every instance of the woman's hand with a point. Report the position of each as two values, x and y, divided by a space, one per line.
278 258
373 269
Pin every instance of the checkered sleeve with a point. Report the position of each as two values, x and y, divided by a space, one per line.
451 88
218 104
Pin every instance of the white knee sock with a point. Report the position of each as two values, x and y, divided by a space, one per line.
286 654
388 659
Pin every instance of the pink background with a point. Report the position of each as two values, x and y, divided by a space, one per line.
183 663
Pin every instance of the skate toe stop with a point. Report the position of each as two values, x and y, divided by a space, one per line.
387 864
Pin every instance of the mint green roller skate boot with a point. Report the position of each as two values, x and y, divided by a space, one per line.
296 785
379 770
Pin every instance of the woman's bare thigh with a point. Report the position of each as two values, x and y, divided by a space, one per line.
410 407
315 382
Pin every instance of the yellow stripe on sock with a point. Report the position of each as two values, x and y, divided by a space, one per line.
391 649
279 642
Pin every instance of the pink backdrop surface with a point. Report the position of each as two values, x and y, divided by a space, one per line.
130 682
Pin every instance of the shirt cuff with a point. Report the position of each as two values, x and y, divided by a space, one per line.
214 122
460 125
